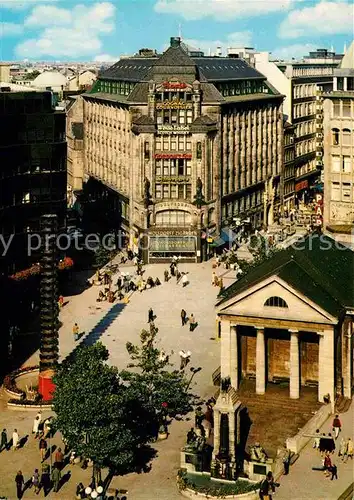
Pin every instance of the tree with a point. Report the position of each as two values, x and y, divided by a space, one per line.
261 250
99 415
163 391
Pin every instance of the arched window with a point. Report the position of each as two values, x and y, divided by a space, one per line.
347 137
335 136
275 302
173 218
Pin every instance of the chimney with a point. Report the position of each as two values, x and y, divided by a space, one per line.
175 41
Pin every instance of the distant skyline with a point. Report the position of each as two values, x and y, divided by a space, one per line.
66 30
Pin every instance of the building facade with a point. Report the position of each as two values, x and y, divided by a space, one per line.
188 143
287 320
302 83
339 149
33 169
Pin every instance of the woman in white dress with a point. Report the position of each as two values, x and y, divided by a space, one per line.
15 439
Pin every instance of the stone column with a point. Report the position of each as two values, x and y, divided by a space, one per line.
233 357
294 365
345 84
326 365
216 434
225 349
232 436
334 83
260 361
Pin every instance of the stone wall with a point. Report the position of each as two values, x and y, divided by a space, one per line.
300 440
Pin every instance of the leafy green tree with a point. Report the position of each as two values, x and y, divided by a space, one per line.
102 256
261 251
100 415
163 390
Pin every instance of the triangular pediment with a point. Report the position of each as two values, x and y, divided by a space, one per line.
252 302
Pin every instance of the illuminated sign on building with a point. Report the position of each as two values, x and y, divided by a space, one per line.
174 85
162 156
299 186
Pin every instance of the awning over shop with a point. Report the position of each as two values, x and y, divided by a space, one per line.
227 235
218 242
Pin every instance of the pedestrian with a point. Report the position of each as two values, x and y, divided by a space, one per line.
4 443
316 441
286 460
185 358
336 426
192 323
36 481
342 449
334 472
43 448
178 276
59 459
221 284
56 476
45 481
150 315
19 480
183 317
350 449
331 443
15 439
80 492
172 269
60 301
119 283
185 280
213 278
327 464
35 429
76 332
47 427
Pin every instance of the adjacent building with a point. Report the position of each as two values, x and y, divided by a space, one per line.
187 143
291 319
339 150
33 168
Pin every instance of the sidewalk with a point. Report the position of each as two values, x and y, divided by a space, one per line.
302 483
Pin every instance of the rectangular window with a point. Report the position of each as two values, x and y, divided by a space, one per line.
188 145
347 164
180 167
173 167
346 191
181 191
165 191
166 145
346 109
159 117
182 117
158 167
189 116
189 167
173 143
158 191
336 109
335 194
335 163
158 144
166 169
174 117
174 191
188 191
180 143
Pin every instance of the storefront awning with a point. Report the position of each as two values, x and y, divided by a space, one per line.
227 235
218 242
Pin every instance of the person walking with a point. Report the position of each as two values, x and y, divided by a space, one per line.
166 275
45 481
286 460
35 429
47 427
43 448
36 481
334 472
56 476
4 443
316 441
185 280
192 323
59 459
336 426
350 450
76 331
327 464
19 480
342 453
150 315
183 317
15 440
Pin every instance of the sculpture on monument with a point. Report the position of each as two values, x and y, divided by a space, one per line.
49 323
199 197
147 195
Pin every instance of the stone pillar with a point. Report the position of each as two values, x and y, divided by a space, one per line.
260 361
294 365
216 433
326 365
335 83
233 357
232 437
225 349
345 84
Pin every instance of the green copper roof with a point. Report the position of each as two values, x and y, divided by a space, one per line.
318 267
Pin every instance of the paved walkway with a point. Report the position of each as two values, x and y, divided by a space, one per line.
114 325
302 483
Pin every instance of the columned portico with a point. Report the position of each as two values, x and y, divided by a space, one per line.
260 361
326 365
294 364
229 353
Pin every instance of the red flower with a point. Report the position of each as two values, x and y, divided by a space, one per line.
164 405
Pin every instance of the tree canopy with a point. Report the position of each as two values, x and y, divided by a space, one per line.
100 416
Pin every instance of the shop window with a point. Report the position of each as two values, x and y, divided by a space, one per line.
275 302
346 191
199 150
346 137
335 192
335 136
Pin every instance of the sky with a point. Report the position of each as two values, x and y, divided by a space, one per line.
70 30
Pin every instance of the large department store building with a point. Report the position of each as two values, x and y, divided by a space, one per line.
188 143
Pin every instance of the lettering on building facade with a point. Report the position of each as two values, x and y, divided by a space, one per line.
174 85
172 205
173 105
172 243
173 129
173 156
173 179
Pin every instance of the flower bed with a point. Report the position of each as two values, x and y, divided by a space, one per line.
203 486
66 263
10 381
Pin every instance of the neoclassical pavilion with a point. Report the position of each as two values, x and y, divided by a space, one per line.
291 319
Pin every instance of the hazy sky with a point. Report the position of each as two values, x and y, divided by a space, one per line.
102 31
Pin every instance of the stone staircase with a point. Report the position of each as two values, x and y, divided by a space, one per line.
342 404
